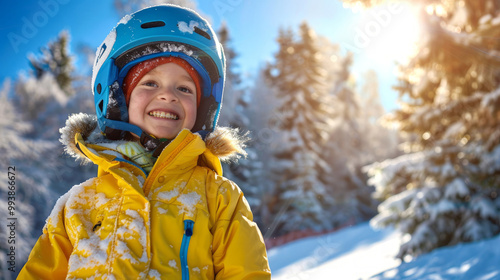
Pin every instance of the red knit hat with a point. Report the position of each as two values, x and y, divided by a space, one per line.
138 71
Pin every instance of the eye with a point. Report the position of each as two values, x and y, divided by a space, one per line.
185 89
150 84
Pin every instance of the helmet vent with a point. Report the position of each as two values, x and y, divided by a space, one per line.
201 32
101 106
152 24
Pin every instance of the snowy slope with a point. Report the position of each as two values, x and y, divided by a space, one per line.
360 252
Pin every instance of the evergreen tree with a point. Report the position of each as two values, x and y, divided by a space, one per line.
245 171
264 140
55 59
382 141
49 85
234 103
43 104
41 107
302 122
24 188
346 149
356 139
230 55
444 190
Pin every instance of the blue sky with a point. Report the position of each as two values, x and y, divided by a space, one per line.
377 37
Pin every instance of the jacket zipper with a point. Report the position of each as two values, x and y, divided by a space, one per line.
188 232
157 169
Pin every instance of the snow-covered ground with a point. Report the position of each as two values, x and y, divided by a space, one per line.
360 252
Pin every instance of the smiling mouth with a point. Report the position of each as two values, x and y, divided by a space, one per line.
163 115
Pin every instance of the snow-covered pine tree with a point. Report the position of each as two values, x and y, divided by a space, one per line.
348 145
45 106
48 85
235 114
57 61
357 137
444 190
232 114
302 126
43 103
25 188
348 141
41 107
262 105
381 141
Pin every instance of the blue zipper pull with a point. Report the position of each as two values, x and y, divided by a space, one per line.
188 232
188 228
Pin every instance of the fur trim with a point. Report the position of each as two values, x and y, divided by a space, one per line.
225 143
77 123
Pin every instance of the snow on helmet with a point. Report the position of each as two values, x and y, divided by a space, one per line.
164 30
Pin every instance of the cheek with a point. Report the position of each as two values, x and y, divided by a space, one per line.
131 111
191 111
135 107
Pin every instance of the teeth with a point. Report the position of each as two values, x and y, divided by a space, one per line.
164 115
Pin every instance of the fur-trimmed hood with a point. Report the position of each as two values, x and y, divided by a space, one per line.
223 142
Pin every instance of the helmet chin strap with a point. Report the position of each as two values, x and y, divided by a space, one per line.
159 148
147 141
163 142
150 142
160 144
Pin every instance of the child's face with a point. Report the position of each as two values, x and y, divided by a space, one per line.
164 101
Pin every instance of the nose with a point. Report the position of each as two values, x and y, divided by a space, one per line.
168 94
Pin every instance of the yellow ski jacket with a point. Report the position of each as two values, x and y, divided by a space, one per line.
182 221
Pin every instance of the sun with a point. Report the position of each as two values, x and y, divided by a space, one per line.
394 32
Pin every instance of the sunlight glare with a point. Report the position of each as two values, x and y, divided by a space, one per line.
397 40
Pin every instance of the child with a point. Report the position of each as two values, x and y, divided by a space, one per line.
159 207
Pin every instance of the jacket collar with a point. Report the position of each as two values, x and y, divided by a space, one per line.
83 140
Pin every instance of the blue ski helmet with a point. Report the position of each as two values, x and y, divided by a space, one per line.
164 30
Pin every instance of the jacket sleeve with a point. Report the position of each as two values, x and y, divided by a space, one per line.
239 251
49 257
